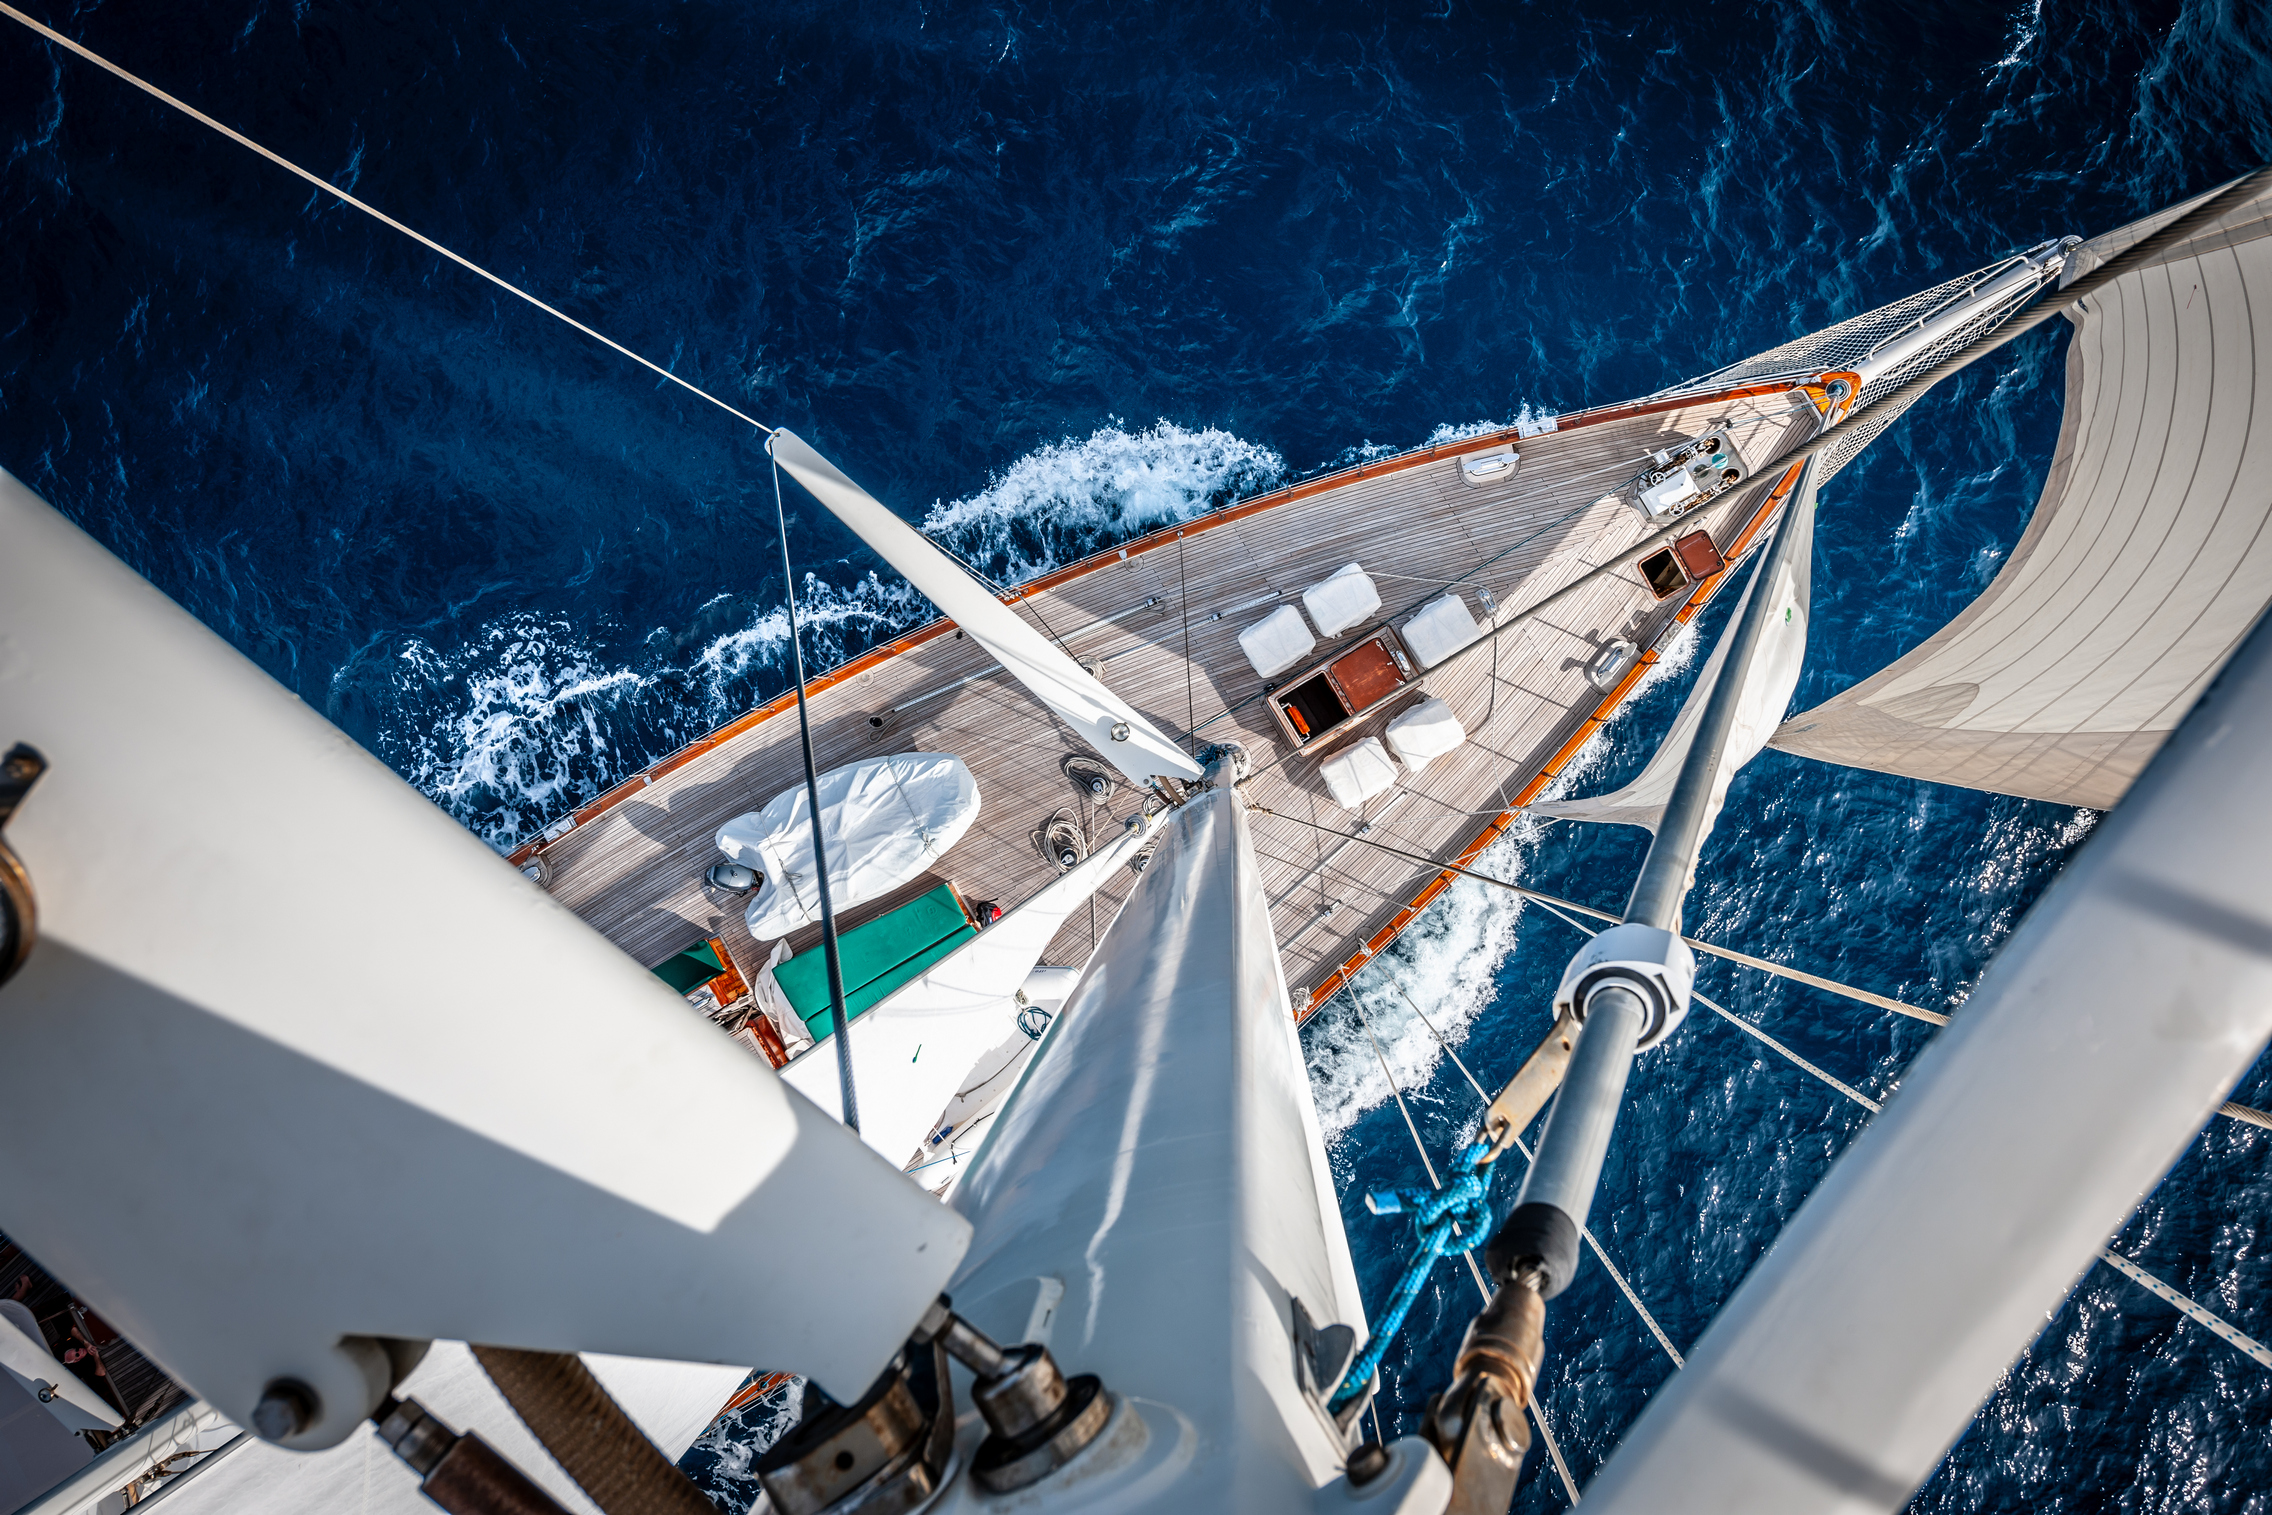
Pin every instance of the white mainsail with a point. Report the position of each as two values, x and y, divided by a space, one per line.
2146 562
1769 682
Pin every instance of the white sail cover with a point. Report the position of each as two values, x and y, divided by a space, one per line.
887 819
1105 721
917 1046
2147 559
1769 684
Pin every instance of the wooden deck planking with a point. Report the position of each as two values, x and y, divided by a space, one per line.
634 870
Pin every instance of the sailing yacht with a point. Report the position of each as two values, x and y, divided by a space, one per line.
1086 851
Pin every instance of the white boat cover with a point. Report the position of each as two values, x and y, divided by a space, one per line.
916 1046
1441 628
1277 642
1342 601
1358 772
886 819
2146 562
1108 723
773 1002
1424 733
1774 676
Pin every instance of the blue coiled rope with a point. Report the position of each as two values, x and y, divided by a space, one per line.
1437 1214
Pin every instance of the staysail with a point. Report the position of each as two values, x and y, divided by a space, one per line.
2146 562
1769 682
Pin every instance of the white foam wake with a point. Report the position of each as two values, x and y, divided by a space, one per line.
1072 498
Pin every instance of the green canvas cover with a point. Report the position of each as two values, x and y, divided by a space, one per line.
878 957
690 969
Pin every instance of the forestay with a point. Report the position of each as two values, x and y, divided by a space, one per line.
2146 562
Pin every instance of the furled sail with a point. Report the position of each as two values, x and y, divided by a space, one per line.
1769 682
2146 562
1107 722
917 1045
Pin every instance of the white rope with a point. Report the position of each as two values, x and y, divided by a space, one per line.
2247 1114
2155 1286
373 212
2217 1325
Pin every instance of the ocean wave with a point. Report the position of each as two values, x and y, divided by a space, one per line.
1060 503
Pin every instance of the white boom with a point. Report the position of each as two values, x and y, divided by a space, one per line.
2104 1034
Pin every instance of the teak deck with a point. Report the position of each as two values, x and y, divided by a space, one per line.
1158 621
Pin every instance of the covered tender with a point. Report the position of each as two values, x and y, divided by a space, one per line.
1346 599
886 819
1277 642
1358 772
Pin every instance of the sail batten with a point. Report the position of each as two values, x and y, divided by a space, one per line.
2147 560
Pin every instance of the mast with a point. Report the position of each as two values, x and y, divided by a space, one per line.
1627 988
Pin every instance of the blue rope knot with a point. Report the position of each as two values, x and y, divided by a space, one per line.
1459 1209
1460 1206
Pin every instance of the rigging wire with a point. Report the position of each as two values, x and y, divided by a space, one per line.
191 111
1561 908
1183 583
839 1022
2217 1325
1865 996
1601 1256
1537 1414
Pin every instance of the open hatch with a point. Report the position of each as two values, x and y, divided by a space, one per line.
1342 688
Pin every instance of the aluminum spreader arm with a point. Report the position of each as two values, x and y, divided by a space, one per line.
295 974
1105 721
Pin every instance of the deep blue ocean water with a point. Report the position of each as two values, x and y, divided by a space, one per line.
1047 276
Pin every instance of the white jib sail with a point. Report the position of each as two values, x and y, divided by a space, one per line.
1108 723
1771 680
2146 562
915 1048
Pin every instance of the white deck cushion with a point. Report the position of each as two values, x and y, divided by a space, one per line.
1277 642
1425 732
1442 628
1342 601
1357 773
